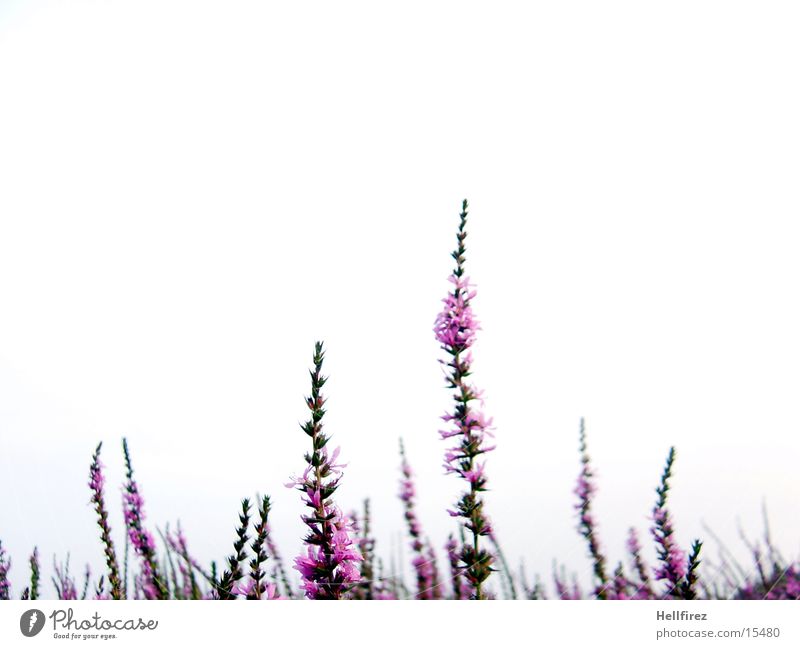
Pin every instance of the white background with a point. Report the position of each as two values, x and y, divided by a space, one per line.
191 193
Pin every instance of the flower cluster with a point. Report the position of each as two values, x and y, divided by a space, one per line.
328 570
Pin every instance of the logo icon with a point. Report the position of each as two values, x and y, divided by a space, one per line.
31 622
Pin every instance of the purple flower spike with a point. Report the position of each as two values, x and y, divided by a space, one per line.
585 489
33 593
188 567
329 565
456 572
423 559
151 584
673 561
96 484
63 581
643 588
673 568
455 329
564 590
5 566
277 562
369 586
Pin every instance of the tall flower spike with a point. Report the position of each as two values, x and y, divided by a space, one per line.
537 590
672 566
455 330
619 586
188 564
643 588
585 489
87 576
423 568
688 587
63 581
5 566
277 562
173 587
366 545
152 584
96 484
35 574
383 587
435 580
329 565
226 589
257 574
99 591
562 590
456 573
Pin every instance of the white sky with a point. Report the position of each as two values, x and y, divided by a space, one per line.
191 193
